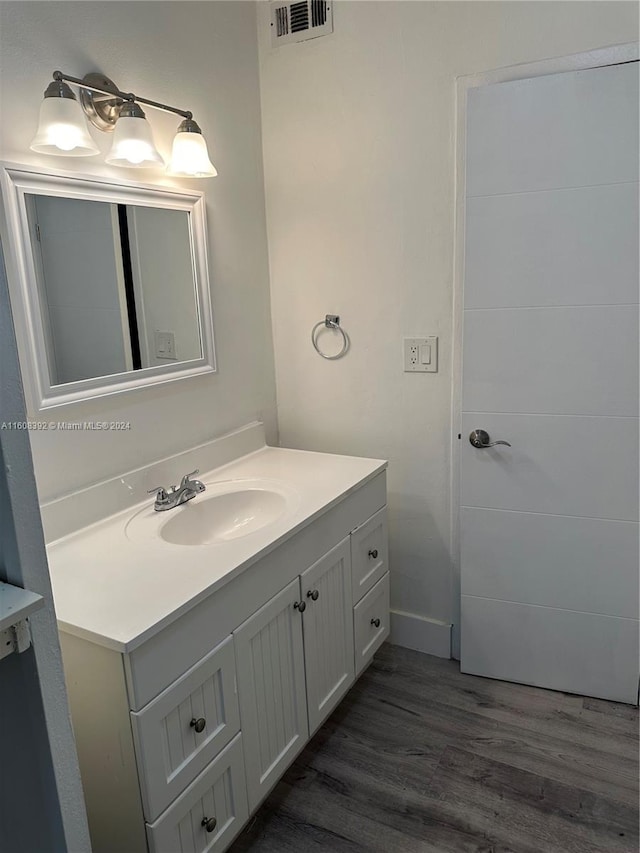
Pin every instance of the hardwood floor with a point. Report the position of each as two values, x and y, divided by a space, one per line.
421 758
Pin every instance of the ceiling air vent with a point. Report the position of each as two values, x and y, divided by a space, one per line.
300 20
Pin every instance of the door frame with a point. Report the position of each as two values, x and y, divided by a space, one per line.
613 55
41 687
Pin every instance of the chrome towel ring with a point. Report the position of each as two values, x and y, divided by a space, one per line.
331 321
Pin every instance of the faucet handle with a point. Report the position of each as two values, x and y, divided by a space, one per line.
187 477
159 491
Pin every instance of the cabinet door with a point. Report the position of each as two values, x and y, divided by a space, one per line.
328 632
273 705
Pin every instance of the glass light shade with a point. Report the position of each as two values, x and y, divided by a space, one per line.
190 158
133 145
62 130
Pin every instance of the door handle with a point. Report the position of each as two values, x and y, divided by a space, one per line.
480 438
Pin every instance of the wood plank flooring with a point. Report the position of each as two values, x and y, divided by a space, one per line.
419 758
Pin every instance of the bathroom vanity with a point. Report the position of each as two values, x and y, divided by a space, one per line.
204 646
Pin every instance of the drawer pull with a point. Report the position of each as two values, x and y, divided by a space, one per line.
313 594
375 622
198 724
209 823
373 554
300 605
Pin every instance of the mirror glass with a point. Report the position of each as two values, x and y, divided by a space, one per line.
116 286
109 284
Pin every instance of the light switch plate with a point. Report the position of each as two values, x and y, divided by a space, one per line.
165 343
421 355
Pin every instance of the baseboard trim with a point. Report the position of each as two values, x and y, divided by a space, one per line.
417 632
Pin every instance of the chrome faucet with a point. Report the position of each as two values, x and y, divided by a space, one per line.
176 495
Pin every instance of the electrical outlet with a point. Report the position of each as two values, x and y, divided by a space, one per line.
421 355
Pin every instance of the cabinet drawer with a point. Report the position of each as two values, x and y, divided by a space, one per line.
369 553
371 622
219 796
170 750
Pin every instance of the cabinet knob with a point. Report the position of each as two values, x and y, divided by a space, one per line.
375 622
300 605
313 594
198 724
209 823
373 554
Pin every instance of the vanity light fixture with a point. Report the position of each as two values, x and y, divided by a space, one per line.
189 156
132 140
62 128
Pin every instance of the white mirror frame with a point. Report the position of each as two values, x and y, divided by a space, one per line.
16 181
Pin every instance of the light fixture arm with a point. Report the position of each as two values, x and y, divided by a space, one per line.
90 83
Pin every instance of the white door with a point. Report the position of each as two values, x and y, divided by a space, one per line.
271 688
548 526
328 632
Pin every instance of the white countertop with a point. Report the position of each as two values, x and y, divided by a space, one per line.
118 593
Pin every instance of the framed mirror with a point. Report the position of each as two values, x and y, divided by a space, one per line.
109 284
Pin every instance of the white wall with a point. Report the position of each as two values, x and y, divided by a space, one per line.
199 56
358 137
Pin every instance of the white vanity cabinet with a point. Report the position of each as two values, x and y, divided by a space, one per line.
182 735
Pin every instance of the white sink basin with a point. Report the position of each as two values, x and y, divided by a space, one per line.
225 511
221 517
